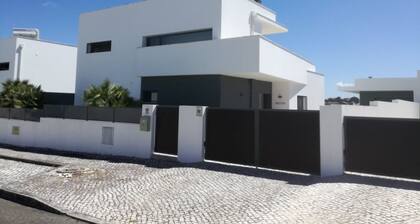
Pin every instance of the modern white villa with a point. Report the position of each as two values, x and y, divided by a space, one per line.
385 89
53 66
195 52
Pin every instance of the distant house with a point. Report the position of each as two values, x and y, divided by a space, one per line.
385 89
53 66
196 52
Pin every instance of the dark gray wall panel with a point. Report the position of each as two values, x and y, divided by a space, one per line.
17 114
5 113
75 112
54 111
100 114
33 115
127 115
184 90
388 96
260 87
235 93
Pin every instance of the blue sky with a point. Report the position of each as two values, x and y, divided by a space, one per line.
345 39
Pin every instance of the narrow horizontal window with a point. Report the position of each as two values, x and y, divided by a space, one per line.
4 66
177 38
104 46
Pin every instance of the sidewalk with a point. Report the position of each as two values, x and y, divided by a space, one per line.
148 193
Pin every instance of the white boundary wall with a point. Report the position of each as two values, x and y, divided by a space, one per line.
82 136
191 134
332 128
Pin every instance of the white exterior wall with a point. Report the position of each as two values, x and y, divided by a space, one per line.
332 133
236 17
53 66
7 54
78 136
314 90
126 26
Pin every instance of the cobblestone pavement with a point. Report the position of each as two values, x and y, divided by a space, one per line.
133 193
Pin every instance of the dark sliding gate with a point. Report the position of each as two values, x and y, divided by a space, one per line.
166 138
277 139
230 136
388 147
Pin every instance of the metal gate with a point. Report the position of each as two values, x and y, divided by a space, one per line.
278 139
166 138
230 136
388 147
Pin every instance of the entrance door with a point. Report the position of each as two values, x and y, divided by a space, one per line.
264 101
302 103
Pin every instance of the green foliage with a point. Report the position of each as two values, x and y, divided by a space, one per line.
107 95
20 94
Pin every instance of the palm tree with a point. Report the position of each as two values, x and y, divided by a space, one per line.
20 94
107 95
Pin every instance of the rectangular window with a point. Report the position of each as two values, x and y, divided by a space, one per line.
302 103
177 38
150 96
104 46
4 66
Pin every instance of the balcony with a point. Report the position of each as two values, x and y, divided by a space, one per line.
252 57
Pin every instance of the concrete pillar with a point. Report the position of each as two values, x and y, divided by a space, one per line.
332 143
148 112
191 134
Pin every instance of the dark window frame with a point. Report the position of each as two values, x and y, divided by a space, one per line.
99 47
4 66
156 40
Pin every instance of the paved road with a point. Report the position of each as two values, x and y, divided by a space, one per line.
12 213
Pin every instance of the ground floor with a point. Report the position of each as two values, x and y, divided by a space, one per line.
164 192
233 92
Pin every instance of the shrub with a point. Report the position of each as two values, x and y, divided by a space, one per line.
107 95
20 94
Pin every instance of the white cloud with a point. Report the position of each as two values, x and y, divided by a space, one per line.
50 4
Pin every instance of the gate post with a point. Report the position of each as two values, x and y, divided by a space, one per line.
147 127
332 141
191 134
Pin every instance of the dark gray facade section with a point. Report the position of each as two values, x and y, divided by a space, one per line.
207 90
51 98
183 90
388 96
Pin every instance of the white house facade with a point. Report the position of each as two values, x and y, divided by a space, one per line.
51 65
385 89
195 52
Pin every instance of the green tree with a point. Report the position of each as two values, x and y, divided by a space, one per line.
20 94
107 95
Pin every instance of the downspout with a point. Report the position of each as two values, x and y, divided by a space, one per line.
19 60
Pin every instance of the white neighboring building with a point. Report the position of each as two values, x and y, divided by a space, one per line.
195 52
51 65
384 89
